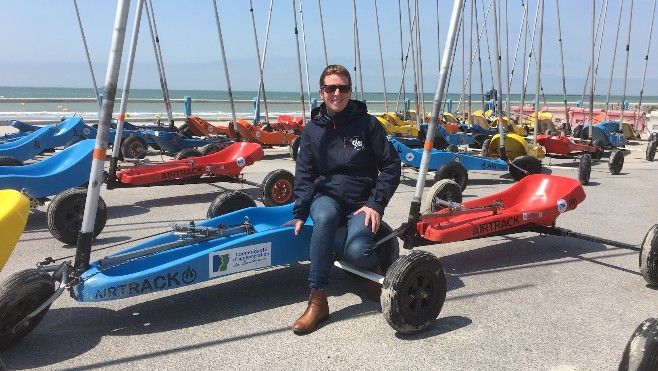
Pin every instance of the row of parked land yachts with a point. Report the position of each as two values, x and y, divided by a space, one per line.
414 284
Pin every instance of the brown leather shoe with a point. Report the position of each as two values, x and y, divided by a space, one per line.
317 311
374 289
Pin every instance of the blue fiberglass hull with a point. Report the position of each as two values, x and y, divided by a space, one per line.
66 169
411 157
47 137
271 245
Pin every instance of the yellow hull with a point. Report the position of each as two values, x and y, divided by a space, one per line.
14 210
404 128
515 146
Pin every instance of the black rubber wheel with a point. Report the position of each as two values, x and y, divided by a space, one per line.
446 190
277 188
478 140
134 147
184 131
187 153
584 169
650 153
65 214
294 148
524 165
211 148
389 251
413 292
453 148
600 149
654 136
641 352
10 161
485 147
440 143
649 256
454 171
616 162
20 294
228 202
73 141
577 130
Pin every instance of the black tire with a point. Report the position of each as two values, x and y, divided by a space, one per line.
187 153
641 352
440 143
585 168
184 131
600 149
654 136
389 251
414 291
650 153
649 256
294 148
478 140
211 148
616 162
10 161
134 147
73 141
277 188
65 214
524 165
485 147
446 190
453 148
454 171
228 202
577 130
20 294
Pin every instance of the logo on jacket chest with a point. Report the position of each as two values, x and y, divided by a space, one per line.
357 143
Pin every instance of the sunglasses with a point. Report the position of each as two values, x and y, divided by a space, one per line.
332 88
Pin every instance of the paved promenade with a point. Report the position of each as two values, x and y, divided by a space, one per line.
518 302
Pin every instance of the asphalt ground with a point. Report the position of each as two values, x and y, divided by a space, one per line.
516 302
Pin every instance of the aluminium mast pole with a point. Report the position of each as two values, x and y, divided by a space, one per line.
646 61
405 59
261 82
499 113
158 57
233 124
516 54
523 66
421 84
413 62
507 70
324 42
614 57
589 68
567 125
591 86
308 84
470 66
402 64
538 58
299 63
414 210
84 43
628 45
357 47
83 247
381 57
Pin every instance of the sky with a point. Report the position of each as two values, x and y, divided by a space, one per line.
42 44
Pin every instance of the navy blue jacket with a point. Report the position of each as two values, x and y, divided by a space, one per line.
346 157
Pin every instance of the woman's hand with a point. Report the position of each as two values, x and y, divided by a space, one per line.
297 223
372 218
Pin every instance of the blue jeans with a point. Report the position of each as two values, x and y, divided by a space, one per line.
328 216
